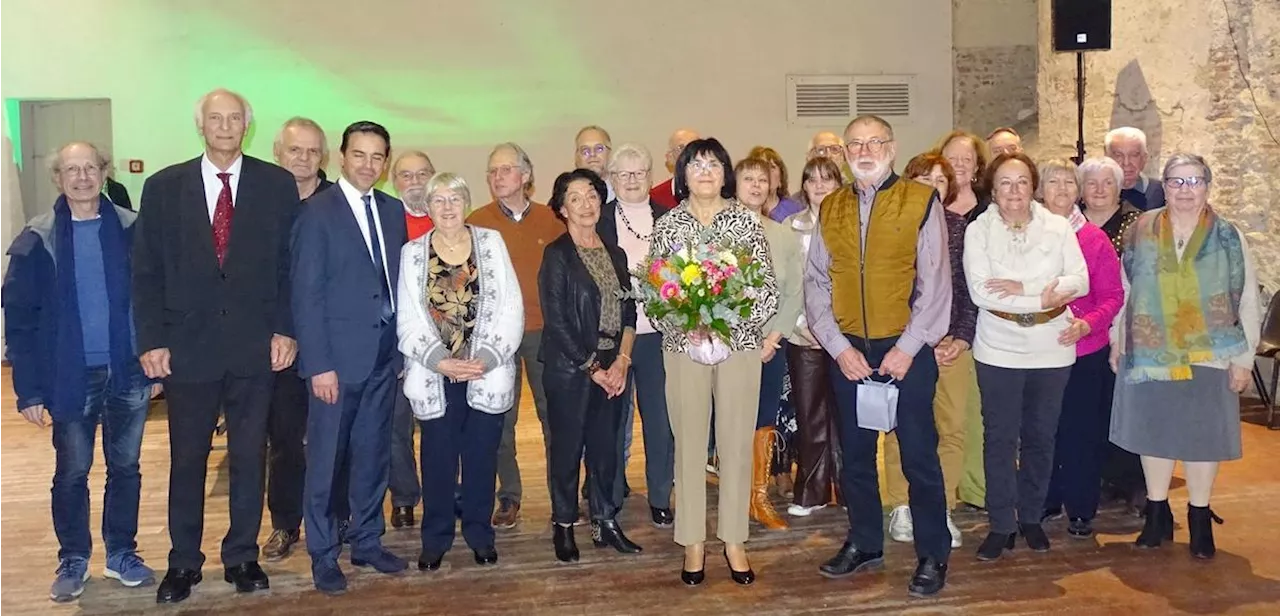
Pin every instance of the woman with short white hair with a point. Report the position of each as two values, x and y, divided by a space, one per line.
1099 179
460 322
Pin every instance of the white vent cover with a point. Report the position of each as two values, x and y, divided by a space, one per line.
823 100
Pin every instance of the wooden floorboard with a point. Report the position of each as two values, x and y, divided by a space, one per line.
1101 576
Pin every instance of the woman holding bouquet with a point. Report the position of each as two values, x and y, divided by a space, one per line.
586 348
709 213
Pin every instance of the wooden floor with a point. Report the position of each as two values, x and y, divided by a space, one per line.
1102 576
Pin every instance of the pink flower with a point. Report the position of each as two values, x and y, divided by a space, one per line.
716 289
669 290
656 266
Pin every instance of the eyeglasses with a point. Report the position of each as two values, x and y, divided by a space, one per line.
826 151
1191 182
598 150
89 171
504 170
874 146
438 201
627 176
421 176
706 166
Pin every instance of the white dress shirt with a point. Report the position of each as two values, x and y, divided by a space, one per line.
355 200
213 185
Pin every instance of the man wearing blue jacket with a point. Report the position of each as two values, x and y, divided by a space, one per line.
69 329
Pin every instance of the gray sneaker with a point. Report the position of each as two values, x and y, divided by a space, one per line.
129 570
72 574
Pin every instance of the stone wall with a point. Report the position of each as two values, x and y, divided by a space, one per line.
995 64
1196 75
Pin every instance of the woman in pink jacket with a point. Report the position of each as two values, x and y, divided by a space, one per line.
1081 446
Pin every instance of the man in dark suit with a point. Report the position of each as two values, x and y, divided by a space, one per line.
346 262
211 301
1128 146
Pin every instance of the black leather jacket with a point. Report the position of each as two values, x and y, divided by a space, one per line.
571 304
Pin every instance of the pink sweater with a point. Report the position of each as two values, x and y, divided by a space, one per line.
1106 291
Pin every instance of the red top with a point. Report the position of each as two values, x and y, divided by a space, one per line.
663 195
417 225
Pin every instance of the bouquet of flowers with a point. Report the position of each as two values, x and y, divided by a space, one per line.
703 290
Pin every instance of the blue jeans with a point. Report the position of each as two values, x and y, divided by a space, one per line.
121 408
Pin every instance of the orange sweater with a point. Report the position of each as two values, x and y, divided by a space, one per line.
525 242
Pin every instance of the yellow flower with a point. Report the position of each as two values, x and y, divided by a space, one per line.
690 273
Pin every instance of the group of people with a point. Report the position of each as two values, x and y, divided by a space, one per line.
1027 314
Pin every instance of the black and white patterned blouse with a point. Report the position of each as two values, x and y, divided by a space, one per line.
735 224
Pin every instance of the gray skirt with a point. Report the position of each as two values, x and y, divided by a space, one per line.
1193 421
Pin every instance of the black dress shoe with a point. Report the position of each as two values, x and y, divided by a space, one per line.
662 518
849 561
177 585
693 578
565 545
247 577
929 578
995 545
744 578
1080 528
486 556
430 562
608 533
402 517
1034 535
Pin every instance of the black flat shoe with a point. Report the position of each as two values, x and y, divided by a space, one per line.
744 578
487 556
1034 535
1080 528
402 517
247 577
565 545
929 578
662 518
430 562
995 546
849 561
694 578
607 533
177 585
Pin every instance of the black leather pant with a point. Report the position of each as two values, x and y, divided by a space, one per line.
581 417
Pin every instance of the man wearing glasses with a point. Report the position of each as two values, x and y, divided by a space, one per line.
591 151
825 144
878 297
526 228
664 194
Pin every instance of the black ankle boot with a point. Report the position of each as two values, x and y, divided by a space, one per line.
1200 522
1158 526
608 533
566 547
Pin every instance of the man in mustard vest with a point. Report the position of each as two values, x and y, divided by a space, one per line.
877 294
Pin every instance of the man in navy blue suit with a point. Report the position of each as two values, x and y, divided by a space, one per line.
346 249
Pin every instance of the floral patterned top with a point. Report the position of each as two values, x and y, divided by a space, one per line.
600 266
451 293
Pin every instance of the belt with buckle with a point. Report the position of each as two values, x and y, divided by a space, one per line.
1031 318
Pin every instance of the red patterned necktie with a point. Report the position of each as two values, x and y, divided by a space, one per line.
222 219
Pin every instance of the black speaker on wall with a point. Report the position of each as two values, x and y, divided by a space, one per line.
1081 25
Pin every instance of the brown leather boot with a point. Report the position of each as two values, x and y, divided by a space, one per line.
761 459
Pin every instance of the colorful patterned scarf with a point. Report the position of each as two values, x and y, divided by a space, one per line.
1181 312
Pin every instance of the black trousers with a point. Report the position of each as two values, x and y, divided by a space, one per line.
465 439
918 437
1083 428
193 414
286 458
1020 408
581 417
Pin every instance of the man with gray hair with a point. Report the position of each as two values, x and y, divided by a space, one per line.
301 148
1128 146
527 228
68 325
591 149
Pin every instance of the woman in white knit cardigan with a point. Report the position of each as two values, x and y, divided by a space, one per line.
460 322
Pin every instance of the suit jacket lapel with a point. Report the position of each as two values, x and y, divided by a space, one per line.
392 218
196 227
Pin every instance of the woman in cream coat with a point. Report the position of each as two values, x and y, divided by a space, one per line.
460 322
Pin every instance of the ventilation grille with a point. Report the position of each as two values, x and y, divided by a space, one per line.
824 100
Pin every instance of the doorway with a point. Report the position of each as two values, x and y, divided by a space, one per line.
47 125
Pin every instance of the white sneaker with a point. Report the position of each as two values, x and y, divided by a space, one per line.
956 540
900 528
800 511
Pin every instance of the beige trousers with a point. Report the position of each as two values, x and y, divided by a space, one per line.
735 384
957 383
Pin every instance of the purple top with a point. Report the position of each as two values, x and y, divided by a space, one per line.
785 208
931 301
1106 292
964 314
